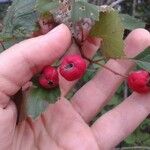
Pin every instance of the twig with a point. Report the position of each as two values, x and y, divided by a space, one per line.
96 62
72 4
104 66
116 3
134 8
125 90
2 45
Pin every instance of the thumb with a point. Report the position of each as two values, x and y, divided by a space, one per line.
20 62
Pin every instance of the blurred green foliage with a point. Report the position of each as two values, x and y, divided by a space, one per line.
3 10
140 9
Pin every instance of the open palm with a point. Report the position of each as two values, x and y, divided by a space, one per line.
64 125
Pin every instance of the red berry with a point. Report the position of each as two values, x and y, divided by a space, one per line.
72 67
49 77
139 81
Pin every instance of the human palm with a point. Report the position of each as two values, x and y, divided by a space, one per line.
64 125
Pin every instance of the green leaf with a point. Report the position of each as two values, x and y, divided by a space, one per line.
131 22
88 75
38 99
143 59
20 19
111 30
131 139
145 125
139 136
5 37
143 64
43 6
82 9
147 142
143 54
115 100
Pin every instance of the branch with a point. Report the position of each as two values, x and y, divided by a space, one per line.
72 9
116 3
134 8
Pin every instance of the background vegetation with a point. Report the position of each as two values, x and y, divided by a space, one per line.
140 139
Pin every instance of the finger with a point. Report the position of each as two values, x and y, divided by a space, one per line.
89 49
72 124
117 124
20 62
95 94
7 125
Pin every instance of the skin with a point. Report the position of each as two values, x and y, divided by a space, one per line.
64 125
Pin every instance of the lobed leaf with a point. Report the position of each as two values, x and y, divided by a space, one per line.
20 19
38 99
143 59
131 22
110 29
82 9
44 6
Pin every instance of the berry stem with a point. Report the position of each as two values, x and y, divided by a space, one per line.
104 66
97 61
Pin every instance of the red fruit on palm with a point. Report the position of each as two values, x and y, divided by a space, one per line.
49 77
139 81
72 67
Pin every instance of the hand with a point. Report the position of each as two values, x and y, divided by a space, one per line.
64 125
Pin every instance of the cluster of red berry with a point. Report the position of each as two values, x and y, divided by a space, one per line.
71 68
